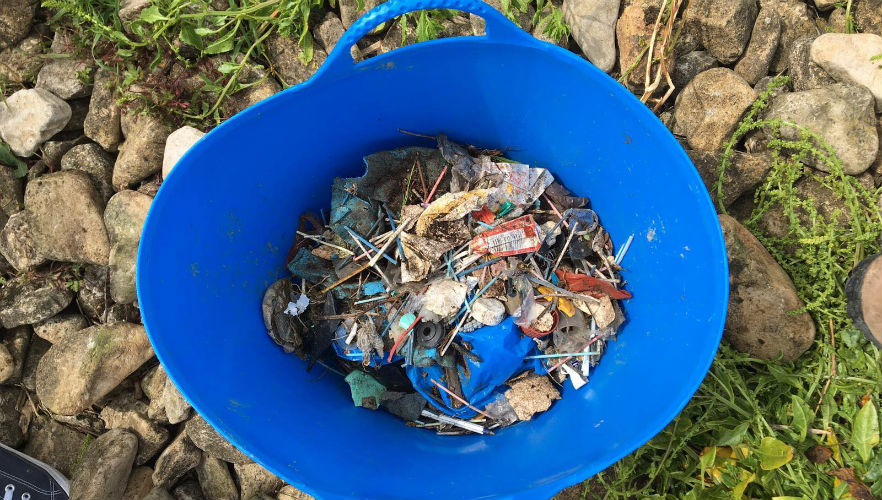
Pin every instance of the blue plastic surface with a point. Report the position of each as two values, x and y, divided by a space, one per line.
219 229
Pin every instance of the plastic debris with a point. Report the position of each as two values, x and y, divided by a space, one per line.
452 288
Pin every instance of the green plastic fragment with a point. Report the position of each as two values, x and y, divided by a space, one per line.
406 320
506 208
366 391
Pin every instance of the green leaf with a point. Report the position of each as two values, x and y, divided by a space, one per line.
204 31
152 15
802 417
189 36
732 437
307 50
865 431
774 453
227 68
7 158
746 478
222 44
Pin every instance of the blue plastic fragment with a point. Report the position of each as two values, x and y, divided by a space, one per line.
309 267
373 288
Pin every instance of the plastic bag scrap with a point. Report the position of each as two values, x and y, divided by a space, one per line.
451 287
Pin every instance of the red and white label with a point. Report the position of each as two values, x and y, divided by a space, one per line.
509 238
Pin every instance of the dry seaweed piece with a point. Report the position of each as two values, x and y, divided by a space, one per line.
530 395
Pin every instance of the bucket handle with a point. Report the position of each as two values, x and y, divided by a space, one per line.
497 27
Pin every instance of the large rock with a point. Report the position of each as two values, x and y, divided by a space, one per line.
11 191
725 26
593 26
21 63
64 76
139 484
53 151
762 47
216 480
140 156
16 342
131 415
797 20
177 409
633 34
124 219
102 123
176 460
31 301
209 441
29 117
57 327
255 481
106 466
55 444
349 10
81 369
65 213
841 114
761 296
285 52
710 106
153 386
17 246
37 348
804 73
10 430
96 163
745 172
847 58
16 18
689 65
867 15
177 144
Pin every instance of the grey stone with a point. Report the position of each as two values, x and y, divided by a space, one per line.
11 191
823 200
254 480
188 489
124 219
209 441
797 21
725 26
102 123
131 415
29 117
216 480
21 63
16 342
36 351
158 494
841 114
31 301
94 293
10 430
177 459
57 327
633 34
825 4
129 10
81 369
65 213
67 76
762 47
329 32
106 466
54 150
139 484
16 18
178 143
17 246
868 15
710 106
761 295
264 86
140 156
593 27
836 23
285 52
689 65
289 492
55 444
847 58
805 74
95 162
744 174
153 386
177 409
7 364
349 10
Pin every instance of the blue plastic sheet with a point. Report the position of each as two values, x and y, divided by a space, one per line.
501 348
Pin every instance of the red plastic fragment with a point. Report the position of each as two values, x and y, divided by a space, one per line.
592 286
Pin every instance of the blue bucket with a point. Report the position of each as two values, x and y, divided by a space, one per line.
219 229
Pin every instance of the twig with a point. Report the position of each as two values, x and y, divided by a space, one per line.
817 432
371 262
461 400
322 242
832 368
